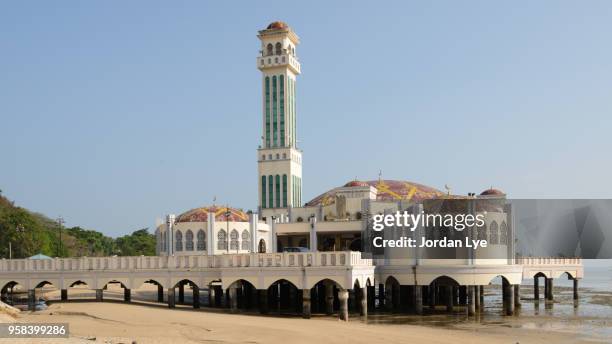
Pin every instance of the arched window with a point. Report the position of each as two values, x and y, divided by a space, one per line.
178 237
222 240
246 239
482 232
262 246
494 234
201 240
234 240
503 236
269 49
279 48
189 240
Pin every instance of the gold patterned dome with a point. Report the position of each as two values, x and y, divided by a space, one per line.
387 190
201 214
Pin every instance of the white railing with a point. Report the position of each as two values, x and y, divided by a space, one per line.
285 259
548 261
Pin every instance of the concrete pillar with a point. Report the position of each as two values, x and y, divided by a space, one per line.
221 297
549 283
449 298
31 299
181 298
160 293
508 297
64 294
363 301
536 288
352 300
171 300
517 295
329 298
233 295
575 289
343 298
396 297
306 303
471 300
463 295
127 295
481 295
432 296
371 292
99 295
293 297
196 297
263 301
254 298
381 296
418 299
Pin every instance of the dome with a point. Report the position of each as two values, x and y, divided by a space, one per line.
353 183
277 25
388 190
201 214
492 192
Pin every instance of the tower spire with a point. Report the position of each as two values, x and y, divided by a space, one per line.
279 160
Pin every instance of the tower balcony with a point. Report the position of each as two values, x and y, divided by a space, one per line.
271 61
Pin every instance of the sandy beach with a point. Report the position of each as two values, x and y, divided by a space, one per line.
146 322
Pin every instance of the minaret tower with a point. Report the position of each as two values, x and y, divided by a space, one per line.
278 158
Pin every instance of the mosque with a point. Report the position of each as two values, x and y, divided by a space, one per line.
291 254
331 221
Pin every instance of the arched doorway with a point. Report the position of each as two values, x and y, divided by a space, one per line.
262 246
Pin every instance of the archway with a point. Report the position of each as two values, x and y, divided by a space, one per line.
509 292
284 297
262 246
444 291
392 294
151 290
324 297
8 291
193 298
117 288
243 295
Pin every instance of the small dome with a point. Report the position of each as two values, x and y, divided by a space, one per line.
355 183
201 214
492 192
277 25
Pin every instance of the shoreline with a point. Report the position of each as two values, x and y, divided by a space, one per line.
115 322
146 321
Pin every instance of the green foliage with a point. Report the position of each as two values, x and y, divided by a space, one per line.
31 233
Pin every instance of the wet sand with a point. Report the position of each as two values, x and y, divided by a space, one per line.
147 322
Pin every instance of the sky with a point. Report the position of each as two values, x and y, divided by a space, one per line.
115 113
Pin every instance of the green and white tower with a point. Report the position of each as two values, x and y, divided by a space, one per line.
279 160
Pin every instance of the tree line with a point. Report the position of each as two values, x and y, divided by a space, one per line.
30 233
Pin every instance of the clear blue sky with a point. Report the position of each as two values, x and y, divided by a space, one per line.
114 113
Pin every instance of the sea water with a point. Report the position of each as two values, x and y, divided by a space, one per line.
589 317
